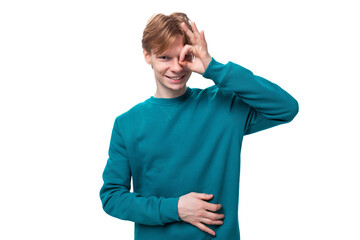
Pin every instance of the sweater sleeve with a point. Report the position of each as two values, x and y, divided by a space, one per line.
268 105
119 202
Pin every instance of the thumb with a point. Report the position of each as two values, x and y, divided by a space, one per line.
185 64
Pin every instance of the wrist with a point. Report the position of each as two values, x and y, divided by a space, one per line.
206 62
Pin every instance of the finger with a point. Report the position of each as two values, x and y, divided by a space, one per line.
188 32
202 35
213 216
212 206
187 49
203 196
205 228
195 30
211 222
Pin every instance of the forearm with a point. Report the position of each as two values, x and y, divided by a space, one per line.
266 97
119 202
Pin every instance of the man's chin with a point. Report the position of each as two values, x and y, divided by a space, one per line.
177 87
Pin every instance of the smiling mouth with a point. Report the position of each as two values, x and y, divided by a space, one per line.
176 77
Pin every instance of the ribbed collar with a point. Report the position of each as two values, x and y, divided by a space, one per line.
170 101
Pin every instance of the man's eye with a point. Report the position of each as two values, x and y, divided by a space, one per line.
163 57
188 57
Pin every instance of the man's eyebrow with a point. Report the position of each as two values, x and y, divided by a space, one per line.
164 54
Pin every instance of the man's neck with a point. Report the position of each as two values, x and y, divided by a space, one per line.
170 94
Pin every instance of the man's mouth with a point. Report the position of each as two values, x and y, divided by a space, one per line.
175 77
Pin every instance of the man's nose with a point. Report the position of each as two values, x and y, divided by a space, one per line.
175 65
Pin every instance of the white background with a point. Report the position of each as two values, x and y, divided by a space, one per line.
68 68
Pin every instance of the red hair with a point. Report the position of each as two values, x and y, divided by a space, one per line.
162 30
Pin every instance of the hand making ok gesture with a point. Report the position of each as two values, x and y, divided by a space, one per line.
198 49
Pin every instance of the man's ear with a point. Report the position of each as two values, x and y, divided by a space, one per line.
147 57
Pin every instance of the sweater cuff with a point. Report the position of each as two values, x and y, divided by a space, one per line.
214 71
169 210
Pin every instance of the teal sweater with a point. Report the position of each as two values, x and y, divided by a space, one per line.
191 143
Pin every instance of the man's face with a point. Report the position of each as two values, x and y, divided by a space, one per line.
170 76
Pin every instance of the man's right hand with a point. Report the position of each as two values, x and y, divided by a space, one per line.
194 209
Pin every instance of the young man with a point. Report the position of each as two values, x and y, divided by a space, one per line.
182 145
